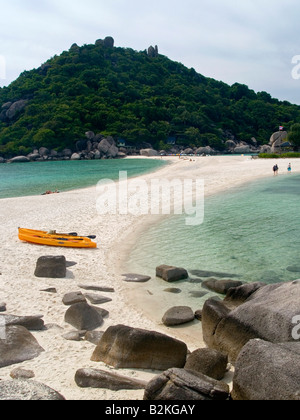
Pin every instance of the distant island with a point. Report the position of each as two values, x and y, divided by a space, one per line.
132 100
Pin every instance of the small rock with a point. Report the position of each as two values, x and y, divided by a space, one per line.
96 299
73 298
92 378
94 337
2 307
221 286
178 316
198 315
74 335
50 290
20 373
173 290
83 317
97 288
136 278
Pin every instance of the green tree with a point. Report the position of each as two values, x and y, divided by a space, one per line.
294 135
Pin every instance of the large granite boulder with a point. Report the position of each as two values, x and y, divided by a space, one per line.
183 385
266 371
221 286
171 274
94 378
17 345
24 390
31 323
19 159
149 153
268 314
125 347
277 139
15 108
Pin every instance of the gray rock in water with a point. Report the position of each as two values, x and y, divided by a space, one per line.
24 390
19 159
17 345
221 286
294 268
209 362
136 278
178 315
171 274
93 378
125 347
51 267
267 372
183 385
83 317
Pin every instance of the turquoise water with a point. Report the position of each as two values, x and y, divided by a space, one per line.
252 232
24 179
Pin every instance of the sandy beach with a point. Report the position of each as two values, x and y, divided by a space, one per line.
76 211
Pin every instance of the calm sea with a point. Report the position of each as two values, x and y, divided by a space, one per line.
24 179
251 232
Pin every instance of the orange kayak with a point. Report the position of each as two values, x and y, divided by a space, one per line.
39 237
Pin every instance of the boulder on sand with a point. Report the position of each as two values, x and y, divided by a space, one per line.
125 347
83 317
178 315
24 390
17 345
51 267
93 378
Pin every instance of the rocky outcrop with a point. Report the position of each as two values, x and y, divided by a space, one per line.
277 139
221 286
108 42
11 109
153 51
24 390
183 385
149 153
267 314
17 345
125 347
136 278
267 372
100 379
19 159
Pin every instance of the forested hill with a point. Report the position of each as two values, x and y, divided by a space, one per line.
136 96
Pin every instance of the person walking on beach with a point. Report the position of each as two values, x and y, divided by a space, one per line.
275 170
290 168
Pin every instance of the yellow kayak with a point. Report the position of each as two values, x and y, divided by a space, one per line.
55 239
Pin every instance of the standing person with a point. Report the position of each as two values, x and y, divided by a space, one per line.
275 170
290 168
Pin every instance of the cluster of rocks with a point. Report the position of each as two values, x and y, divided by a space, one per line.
255 328
93 147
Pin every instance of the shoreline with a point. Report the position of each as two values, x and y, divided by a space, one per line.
76 210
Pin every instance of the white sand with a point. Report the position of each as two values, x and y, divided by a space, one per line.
76 211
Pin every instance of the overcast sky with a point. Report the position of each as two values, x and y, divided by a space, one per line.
246 41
